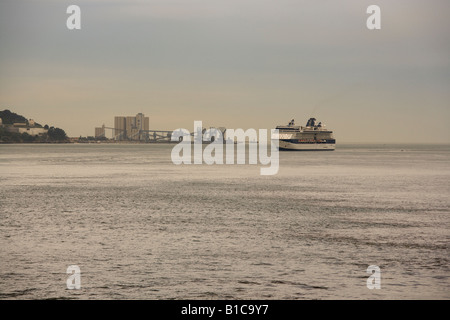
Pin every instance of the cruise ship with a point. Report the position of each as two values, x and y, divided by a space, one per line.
313 137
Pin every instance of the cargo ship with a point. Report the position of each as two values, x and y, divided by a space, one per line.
313 137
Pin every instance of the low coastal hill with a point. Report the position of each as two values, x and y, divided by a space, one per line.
15 128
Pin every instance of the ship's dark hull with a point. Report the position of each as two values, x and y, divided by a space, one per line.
291 146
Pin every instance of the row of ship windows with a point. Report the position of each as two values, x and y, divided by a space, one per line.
310 141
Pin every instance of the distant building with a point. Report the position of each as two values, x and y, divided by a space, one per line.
119 128
100 132
130 128
20 127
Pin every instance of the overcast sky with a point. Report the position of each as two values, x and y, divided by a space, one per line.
232 63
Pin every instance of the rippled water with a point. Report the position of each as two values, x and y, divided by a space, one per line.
140 227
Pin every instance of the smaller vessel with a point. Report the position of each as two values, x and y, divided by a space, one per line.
313 137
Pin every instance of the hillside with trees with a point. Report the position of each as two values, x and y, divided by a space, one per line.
9 118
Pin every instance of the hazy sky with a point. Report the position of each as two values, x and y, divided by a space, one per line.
233 63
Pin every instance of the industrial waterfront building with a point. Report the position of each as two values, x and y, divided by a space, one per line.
100 132
130 128
136 129
29 127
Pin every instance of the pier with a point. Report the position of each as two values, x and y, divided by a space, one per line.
136 129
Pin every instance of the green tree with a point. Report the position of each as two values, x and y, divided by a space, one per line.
9 117
56 134
27 138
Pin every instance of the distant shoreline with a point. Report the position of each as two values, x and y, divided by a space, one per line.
176 142
53 142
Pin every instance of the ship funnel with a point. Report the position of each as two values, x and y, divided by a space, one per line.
311 122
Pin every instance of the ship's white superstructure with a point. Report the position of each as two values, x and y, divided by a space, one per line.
313 137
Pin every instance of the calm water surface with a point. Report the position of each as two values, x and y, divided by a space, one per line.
140 227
